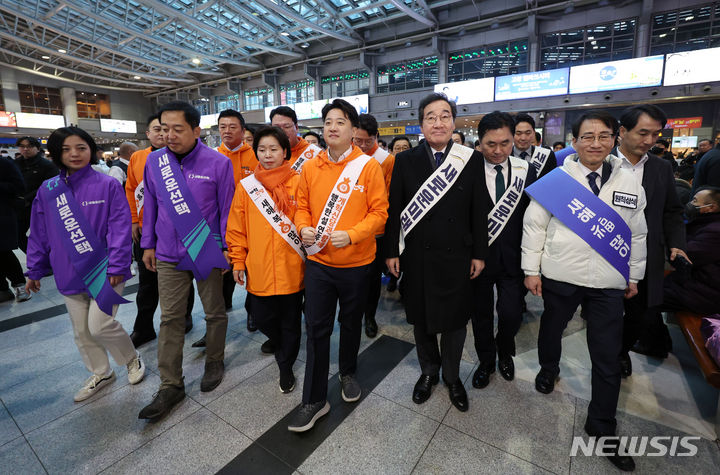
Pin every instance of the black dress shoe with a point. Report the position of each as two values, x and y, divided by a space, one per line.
642 349
481 378
612 448
625 365
140 339
200 343
392 285
458 396
268 347
251 323
545 381
214 371
506 366
371 327
163 401
423 388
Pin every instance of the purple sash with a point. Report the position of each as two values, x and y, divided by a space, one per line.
600 226
203 251
88 256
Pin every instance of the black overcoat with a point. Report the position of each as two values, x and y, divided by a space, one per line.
12 187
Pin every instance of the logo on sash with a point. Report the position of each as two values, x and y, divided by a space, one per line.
336 202
433 189
280 223
508 202
140 196
593 220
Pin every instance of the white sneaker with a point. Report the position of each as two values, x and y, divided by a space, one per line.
21 295
94 384
136 370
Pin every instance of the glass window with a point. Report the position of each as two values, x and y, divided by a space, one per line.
92 106
202 105
488 61
593 44
413 74
685 29
294 92
350 83
42 100
259 98
230 101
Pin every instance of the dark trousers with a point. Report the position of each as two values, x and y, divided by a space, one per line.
603 311
509 311
148 297
10 269
447 356
375 281
228 288
23 226
279 317
644 324
324 287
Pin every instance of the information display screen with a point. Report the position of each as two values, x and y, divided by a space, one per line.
474 91
310 110
7 119
360 102
689 141
692 66
39 121
538 84
123 126
614 75
208 120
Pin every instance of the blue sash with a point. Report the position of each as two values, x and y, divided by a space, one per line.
88 256
600 226
203 251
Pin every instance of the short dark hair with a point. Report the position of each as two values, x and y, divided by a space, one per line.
538 138
369 124
493 121
57 139
347 109
686 172
382 142
314 134
663 142
705 140
398 138
277 132
432 97
523 117
151 118
232 113
562 144
596 114
250 129
462 136
284 111
192 115
31 140
631 115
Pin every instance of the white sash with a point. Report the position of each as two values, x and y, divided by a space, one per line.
140 196
380 155
433 189
539 157
335 204
279 222
310 152
508 202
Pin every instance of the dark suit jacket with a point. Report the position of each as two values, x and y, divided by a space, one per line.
665 224
438 251
550 163
504 253
707 170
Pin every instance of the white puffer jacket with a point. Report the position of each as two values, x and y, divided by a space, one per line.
550 248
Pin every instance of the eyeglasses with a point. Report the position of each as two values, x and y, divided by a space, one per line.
602 138
444 118
358 141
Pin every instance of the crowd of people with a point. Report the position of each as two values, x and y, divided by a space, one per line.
309 225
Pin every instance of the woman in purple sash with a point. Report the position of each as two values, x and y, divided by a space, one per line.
80 229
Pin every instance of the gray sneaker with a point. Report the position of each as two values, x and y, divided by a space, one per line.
307 415
351 390
22 295
93 384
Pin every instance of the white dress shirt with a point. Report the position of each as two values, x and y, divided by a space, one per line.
491 174
637 170
586 171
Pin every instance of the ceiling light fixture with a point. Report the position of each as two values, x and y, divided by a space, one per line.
285 33
136 77
62 51
305 45
46 57
196 61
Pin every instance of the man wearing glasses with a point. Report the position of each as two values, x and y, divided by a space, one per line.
300 149
437 235
584 243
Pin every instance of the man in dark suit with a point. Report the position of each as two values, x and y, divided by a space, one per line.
707 170
502 176
524 148
639 129
444 250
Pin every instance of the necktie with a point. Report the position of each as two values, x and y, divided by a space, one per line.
499 183
438 159
593 185
523 155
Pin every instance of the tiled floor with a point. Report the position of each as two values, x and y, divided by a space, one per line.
510 428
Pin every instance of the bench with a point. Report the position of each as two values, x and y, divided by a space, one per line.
689 324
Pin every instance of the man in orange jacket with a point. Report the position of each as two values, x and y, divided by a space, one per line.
342 204
286 119
147 296
366 138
